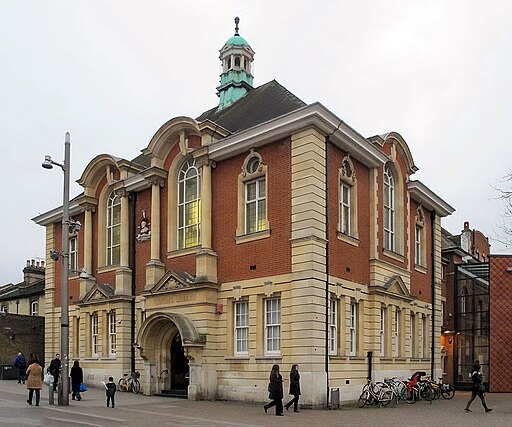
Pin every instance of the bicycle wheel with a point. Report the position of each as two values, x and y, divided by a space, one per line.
363 399
385 397
122 385
428 393
411 396
448 392
401 390
135 386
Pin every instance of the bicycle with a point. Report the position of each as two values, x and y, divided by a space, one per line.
399 388
375 394
445 390
129 382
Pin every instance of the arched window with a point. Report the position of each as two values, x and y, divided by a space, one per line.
113 229
237 62
252 199
189 205
347 225
389 210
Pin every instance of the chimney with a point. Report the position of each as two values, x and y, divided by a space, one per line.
466 225
33 272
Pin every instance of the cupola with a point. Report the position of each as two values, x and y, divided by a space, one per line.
236 79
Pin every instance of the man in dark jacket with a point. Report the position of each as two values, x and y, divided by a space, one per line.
54 369
21 364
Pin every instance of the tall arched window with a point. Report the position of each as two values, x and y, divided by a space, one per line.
189 205
113 229
389 210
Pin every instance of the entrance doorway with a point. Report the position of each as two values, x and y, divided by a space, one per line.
179 365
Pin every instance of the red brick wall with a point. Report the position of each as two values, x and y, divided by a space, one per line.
421 283
143 248
345 260
501 327
74 284
271 256
399 204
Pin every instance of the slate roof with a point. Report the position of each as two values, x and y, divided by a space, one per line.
264 103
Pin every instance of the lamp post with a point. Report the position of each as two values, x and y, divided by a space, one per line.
63 388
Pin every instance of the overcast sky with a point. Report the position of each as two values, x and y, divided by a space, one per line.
112 72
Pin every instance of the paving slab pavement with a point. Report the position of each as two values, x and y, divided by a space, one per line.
146 411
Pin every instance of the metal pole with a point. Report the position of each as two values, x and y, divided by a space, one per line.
63 397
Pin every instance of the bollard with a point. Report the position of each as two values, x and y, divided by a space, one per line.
50 394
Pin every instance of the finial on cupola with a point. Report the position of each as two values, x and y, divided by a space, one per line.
237 20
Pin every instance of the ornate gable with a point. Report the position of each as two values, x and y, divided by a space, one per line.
395 287
173 281
99 293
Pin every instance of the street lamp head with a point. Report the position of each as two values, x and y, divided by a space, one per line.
47 164
54 254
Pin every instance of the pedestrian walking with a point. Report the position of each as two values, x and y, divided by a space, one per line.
275 391
77 378
294 388
110 391
54 369
21 365
34 381
478 387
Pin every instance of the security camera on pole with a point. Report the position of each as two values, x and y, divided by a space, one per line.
63 387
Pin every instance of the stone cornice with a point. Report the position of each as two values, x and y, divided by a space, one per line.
314 115
431 201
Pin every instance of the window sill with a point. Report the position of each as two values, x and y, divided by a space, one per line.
107 268
420 269
235 359
337 357
267 358
181 252
351 240
244 238
356 358
394 255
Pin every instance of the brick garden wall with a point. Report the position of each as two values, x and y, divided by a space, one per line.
20 333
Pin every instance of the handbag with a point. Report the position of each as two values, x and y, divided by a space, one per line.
48 379
83 387
481 387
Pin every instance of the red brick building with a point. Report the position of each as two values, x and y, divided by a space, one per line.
500 326
263 231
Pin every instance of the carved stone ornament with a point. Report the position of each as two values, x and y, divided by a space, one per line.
144 230
97 296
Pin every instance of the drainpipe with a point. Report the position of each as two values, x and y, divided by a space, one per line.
327 268
132 199
433 345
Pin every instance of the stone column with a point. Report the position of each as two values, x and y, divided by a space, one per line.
88 240
206 259
123 272
155 268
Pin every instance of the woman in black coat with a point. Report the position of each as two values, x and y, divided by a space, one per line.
294 388
275 391
478 387
77 378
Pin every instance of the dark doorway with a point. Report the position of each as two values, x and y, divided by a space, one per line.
179 365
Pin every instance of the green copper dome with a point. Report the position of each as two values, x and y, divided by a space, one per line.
237 40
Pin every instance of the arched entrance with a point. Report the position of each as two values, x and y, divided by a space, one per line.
179 365
163 341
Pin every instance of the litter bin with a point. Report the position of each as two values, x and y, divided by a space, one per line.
9 372
335 398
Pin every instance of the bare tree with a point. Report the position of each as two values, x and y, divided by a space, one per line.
504 190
